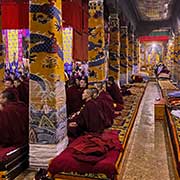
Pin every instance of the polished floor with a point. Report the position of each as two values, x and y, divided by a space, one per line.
26 175
148 155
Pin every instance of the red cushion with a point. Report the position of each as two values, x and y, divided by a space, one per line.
65 162
4 152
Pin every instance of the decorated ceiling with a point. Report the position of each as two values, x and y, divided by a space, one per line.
154 10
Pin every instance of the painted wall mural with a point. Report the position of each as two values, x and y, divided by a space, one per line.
47 96
114 47
96 41
151 54
124 55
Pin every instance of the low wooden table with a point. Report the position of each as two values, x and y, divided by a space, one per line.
159 109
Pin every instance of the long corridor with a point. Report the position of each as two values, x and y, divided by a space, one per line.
148 155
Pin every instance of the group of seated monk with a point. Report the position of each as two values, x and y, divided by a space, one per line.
74 90
14 113
97 107
19 86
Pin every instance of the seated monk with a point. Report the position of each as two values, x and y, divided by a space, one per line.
82 85
90 118
9 86
136 78
23 90
106 103
14 120
115 92
73 98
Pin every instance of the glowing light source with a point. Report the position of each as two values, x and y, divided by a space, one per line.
153 45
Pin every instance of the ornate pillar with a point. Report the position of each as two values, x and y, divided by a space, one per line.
114 48
136 56
96 42
1 54
48 122
130 53
176 57
171 56
124 55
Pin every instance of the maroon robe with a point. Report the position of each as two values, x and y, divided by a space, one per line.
115 93
90 119
106 105
73 100
15 92
23 91
14 122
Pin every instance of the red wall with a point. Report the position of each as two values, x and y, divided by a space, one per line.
75 14
15 15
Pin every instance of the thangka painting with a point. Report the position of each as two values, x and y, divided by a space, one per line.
67 44
15 48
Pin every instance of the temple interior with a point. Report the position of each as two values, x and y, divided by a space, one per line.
89 89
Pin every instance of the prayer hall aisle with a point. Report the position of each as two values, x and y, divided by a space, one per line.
148 155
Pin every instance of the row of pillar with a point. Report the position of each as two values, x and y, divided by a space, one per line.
48 128
47 108
173 57
123 48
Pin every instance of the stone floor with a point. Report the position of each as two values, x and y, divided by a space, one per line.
26 175
148 155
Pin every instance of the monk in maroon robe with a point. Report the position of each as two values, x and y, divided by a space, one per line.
90 118
9 86
106 104
73 98
115 93
23 90
82 85
14 121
